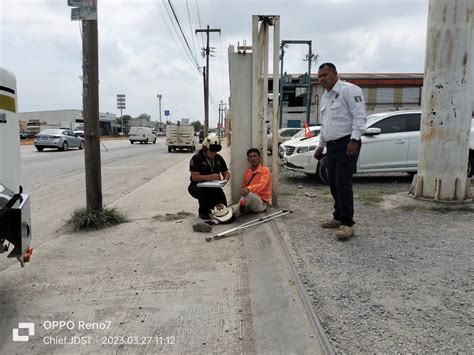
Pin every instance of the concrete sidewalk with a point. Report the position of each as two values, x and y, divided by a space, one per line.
157 286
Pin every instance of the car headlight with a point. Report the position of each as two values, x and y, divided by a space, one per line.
305 149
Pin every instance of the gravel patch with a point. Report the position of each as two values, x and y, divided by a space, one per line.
403 283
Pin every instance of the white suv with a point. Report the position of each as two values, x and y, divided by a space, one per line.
390 144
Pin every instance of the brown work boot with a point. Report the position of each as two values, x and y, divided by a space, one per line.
344 232
331 223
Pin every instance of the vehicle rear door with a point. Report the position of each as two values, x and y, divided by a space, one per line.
72 140
414 122
389 149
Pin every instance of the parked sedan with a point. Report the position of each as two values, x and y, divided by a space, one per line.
298 137
61 139
391 144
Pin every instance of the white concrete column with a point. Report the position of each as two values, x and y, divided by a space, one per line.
446 103
276 92
240 75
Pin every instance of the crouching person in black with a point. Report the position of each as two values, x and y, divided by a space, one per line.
207 165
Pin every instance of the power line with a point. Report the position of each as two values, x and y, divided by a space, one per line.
199 21
174 36
182 32
191 28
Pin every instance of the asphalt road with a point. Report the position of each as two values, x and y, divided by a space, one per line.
55 180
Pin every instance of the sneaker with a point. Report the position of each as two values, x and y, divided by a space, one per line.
202 227
344 232
331 223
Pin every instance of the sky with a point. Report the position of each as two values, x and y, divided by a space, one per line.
140 54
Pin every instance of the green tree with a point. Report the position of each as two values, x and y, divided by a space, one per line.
144 116
197 125
126 120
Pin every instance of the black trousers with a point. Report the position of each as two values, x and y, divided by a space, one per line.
208 198
341 167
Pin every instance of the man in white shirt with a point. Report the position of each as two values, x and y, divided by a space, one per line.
343 123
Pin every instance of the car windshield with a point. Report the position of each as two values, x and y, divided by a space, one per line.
372 118
51 131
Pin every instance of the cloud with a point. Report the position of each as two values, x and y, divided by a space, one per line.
140 53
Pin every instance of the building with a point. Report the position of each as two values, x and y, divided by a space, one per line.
38 121
382 92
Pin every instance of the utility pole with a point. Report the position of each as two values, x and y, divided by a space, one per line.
206 82
220 122
310 57
90 101
159 96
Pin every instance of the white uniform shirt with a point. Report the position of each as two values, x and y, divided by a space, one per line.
342 113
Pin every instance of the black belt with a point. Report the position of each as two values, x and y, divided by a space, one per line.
342 139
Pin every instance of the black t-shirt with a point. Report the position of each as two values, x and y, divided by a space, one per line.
206 166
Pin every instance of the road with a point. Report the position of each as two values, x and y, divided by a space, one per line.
55 180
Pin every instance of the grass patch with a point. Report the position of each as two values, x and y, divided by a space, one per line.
439 209
369 198
84 219
408 208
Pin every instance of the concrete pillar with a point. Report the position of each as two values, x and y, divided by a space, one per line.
446 108
240 73
276 92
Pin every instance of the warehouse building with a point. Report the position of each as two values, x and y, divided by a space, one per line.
382 92
37 121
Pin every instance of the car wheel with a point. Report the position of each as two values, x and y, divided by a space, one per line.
81 146
169 149
65 146
154 142
131 142
40 149
146 142
322 171
470 164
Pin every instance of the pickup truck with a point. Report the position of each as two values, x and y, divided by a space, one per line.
180 137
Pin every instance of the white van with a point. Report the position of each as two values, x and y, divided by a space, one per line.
142 135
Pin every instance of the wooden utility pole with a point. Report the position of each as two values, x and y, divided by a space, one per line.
206 82
90 101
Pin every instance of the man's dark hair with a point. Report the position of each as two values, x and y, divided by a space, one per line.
328 65
253 150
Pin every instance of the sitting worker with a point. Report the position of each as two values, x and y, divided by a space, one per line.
207 165
256 185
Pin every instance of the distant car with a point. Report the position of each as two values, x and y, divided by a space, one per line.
79 133
142 135
284 134
298 137
61 139
390 144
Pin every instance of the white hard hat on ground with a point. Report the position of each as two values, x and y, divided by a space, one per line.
221 213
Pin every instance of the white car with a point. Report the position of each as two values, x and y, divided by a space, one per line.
390 144
298 137
142 135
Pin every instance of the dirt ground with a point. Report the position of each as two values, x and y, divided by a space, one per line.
403 283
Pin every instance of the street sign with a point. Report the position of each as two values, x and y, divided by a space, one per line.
83 9
167 112
120 101
81 3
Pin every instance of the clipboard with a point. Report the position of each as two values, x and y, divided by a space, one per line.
215 184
